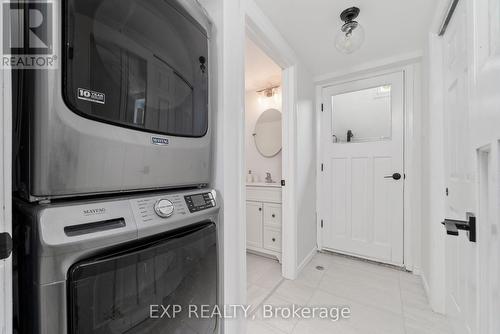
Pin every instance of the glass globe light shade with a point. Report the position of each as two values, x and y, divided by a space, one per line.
350 38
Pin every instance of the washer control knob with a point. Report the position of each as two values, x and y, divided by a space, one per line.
164 208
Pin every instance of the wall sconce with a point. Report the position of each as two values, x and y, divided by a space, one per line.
270 97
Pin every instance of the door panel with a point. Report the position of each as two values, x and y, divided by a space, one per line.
461 261
362 146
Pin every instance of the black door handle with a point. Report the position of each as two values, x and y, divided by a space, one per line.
395 176
452 226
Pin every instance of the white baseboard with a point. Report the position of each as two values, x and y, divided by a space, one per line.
307 259
416 271
426 286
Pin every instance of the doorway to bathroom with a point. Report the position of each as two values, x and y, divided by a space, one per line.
263 182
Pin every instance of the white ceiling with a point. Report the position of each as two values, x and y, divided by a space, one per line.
392 28
260 70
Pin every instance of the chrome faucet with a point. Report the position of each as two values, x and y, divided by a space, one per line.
269 179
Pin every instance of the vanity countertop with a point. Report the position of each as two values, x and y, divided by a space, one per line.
264 184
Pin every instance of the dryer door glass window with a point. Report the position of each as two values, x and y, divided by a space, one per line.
140 64
128 290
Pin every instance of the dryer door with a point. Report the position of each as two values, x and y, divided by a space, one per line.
129 290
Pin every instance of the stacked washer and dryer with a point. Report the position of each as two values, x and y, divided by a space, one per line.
114 218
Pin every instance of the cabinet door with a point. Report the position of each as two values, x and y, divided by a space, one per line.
254 224
272 215
272 239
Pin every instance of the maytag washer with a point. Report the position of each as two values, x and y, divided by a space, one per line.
103 266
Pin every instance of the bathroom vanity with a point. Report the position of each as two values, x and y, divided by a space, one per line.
264 218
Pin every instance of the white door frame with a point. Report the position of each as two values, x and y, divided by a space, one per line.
411 69
265 36
6 198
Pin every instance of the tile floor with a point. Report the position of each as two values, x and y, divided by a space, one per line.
382 300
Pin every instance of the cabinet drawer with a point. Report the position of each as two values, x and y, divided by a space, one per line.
272 239
272 215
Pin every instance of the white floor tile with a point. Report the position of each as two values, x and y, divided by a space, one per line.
295 292
382 300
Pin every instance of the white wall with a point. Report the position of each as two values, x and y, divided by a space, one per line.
306 168
226 64
255 161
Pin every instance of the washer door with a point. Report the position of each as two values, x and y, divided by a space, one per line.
129 290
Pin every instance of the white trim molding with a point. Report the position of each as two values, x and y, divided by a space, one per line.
307 259
369 67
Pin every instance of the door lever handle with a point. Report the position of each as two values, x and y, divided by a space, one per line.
395 176
452 226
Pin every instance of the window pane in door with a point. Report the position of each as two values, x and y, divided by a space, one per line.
362 116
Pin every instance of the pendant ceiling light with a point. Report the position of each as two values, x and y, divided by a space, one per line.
351 35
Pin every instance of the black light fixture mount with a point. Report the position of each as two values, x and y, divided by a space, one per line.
348 16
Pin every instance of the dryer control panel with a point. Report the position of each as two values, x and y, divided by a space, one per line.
198 202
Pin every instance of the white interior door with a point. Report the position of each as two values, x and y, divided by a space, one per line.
461 254
361 206
472 133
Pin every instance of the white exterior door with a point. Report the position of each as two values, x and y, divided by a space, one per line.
362 178
472 134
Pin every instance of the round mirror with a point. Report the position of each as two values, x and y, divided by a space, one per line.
268 133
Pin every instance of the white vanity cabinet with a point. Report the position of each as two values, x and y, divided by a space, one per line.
264 218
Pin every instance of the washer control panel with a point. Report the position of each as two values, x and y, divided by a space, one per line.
164 208
199 202
156 209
